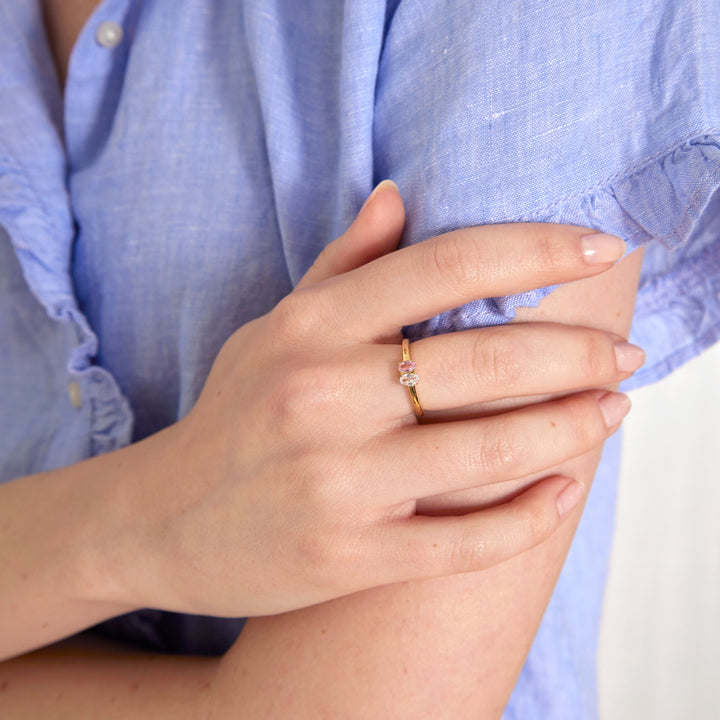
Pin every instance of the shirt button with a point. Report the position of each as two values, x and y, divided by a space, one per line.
109 34
74 394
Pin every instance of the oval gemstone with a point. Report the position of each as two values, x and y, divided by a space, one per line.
409 379
406 366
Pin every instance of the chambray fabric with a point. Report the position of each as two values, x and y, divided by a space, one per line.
198 168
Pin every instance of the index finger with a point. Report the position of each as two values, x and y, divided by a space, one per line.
424 280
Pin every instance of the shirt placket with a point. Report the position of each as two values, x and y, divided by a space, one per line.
96 65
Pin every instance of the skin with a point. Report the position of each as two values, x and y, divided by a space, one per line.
63 21
422 646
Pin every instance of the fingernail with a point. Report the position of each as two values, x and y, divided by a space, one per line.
628 357
384 183
601 249
614 406
569 498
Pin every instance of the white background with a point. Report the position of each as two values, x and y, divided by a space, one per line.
660 640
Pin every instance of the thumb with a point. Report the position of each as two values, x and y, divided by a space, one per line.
375 231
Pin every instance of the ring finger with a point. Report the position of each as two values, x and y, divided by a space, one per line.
510 361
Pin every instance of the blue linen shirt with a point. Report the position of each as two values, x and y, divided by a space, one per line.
197 168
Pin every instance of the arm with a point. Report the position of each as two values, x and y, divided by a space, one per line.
86 677
48 530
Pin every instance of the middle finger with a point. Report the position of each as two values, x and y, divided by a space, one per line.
422 461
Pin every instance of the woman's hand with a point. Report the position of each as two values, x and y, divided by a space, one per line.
295 478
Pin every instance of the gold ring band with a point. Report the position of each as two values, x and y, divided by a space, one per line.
409 378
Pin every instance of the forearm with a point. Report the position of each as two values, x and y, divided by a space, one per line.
78 682
416 650
62 538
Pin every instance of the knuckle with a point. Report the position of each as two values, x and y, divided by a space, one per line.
532 525
298 399
495 361
455 263
327 554
315 551
540 526
550 252
321 490
594 359
499 455
299 315
287 405
467 552
324 485
586 426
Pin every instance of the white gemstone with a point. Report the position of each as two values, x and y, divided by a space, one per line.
409 379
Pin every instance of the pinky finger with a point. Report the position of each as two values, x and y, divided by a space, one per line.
434 546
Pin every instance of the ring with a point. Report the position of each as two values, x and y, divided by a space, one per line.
409 378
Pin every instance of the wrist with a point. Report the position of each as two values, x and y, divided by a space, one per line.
116 504
53 570
129 544
94 536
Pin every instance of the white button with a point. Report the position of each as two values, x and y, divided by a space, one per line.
109 34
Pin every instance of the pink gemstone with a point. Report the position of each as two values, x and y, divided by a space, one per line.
406 366
409 379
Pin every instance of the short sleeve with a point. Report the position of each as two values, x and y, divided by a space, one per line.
605 115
